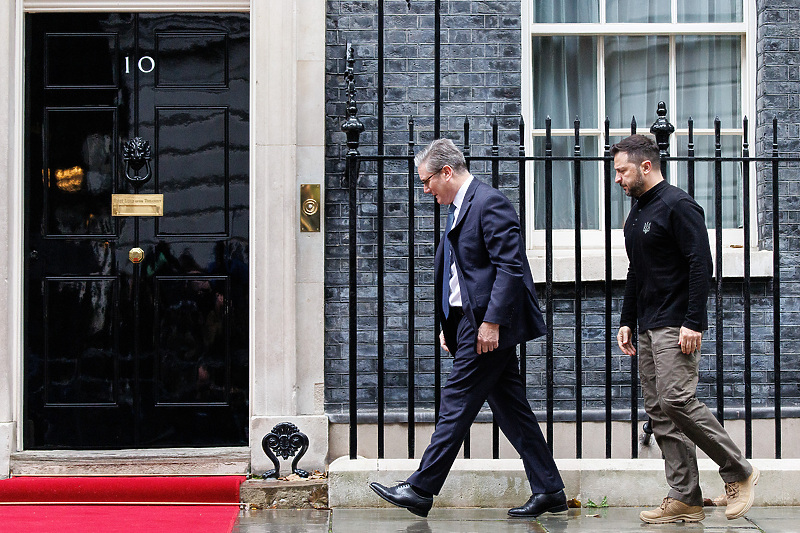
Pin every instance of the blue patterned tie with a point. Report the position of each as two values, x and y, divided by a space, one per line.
447 262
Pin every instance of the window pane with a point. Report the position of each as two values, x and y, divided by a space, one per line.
637 78
710 10
732 213
637 11
709 78
564 185
564 81
566 11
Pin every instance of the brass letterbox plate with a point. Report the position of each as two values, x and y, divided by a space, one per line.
137 205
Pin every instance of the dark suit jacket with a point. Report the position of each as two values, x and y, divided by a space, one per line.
493 270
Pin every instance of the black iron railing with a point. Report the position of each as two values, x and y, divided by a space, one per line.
662 130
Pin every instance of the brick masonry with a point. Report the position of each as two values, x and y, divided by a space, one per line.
481 79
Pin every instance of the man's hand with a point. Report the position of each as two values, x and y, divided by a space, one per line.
488 337
442 343
690 340
625 340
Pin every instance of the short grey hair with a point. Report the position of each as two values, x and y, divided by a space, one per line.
439 153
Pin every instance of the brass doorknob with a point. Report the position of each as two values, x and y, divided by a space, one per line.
136 255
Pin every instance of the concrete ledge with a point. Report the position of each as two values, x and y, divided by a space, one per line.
502 482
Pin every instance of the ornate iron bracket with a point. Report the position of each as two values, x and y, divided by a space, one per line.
136 154
285 439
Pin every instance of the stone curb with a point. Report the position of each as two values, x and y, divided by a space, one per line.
493 483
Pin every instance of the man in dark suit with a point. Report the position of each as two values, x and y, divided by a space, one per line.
489 306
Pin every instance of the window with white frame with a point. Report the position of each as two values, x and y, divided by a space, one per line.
592 59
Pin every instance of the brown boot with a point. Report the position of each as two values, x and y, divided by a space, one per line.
672 510
740 495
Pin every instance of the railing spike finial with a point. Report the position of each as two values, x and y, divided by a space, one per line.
662 129
351 126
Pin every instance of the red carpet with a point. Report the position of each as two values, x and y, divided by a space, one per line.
201 504
117 518
148 489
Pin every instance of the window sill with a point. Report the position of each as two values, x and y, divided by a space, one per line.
593 264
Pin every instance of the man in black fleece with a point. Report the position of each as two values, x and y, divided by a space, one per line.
666 293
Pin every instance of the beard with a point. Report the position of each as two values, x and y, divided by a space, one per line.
636 189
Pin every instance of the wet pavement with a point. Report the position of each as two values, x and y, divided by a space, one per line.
607 520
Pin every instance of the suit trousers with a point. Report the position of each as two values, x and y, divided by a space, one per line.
474 379
681 421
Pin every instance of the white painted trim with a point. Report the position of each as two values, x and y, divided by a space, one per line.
593 262
83 6
628 29
527 67
251 316
16 219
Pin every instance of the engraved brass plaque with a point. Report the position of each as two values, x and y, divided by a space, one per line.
137 205
309 207
136 255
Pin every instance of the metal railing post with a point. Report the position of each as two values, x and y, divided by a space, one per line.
607 166
353 128
776 288
578 295
411 298
748 385
719 311
548 246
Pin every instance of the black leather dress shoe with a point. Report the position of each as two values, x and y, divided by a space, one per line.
549 502
403 495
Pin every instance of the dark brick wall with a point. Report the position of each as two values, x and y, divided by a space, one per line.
481 79
778 96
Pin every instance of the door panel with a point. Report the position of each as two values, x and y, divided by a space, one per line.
152 354
77 366
81 60
78 165
198 185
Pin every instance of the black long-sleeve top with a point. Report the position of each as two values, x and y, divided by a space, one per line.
670 261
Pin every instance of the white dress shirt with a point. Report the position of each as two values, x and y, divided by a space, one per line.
455 288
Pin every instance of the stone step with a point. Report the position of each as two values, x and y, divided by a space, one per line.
161 462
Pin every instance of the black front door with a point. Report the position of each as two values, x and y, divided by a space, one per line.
151 354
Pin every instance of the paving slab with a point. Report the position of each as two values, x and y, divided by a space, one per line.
617 519
282 521
472 520
776 519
